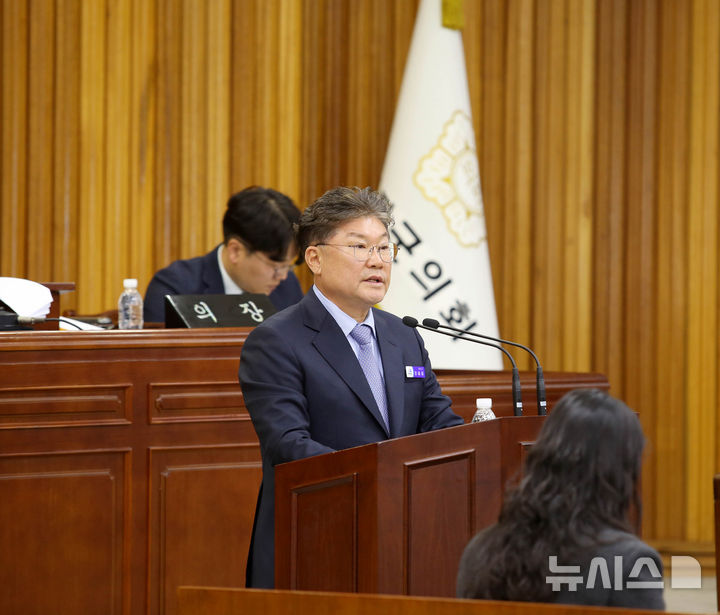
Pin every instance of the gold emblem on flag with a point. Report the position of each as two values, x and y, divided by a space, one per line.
448 177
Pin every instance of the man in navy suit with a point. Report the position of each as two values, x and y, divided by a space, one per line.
257 255
309 385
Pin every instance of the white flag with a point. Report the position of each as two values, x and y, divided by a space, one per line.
431 175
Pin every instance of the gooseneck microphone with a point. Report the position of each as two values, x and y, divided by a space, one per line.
516 392
540 379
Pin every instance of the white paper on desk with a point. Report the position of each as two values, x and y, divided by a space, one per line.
70 324
25 297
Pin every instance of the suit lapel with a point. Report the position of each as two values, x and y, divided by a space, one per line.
394 369
211 276
335 349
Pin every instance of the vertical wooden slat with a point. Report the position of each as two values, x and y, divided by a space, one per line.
670 482
335 106
193 140
314 86
550 113
244 94
641 305
491 148
218 130
290 99
383 101
701 401
265 75
117 222
360 91
91 278
167 214
143 145
40 138
66 148
580 96
512 266
403 16
609 195
14 79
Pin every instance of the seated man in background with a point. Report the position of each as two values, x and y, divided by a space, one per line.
330 372
257 255
573 504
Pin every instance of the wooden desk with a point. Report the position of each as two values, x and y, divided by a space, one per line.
218 601
129 465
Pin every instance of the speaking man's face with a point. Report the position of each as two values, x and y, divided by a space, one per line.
354 284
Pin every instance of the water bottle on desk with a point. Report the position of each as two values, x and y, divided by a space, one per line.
484 410
130 306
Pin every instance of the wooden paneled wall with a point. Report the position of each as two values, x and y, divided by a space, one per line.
127 123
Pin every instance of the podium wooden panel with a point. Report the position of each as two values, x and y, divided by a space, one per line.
129 464
393 517
223 601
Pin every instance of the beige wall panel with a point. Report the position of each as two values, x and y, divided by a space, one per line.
13 236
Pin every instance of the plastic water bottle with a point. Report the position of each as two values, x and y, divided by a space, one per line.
130 306
484 410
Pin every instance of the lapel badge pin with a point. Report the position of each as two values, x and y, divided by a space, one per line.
414 371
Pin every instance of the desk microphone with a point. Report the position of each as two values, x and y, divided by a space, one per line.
516 392
541 398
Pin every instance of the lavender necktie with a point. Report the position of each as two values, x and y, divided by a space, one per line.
363 335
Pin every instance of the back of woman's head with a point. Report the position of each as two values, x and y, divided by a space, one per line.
580 477
589 451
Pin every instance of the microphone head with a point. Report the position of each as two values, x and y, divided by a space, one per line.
431 322
410 321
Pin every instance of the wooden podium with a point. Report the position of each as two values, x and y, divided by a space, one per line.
394 517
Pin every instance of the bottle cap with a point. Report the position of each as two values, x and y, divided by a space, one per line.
130 283
483 402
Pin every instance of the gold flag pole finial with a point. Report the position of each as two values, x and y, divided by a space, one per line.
452 14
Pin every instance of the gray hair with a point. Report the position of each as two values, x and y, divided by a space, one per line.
321 219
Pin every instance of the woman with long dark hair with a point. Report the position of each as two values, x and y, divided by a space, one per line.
564 534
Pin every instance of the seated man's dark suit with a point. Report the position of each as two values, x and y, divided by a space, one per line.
201 276
307 395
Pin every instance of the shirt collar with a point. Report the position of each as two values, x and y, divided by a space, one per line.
228 284
345 322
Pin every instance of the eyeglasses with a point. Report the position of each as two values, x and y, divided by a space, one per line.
279 271
361 252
